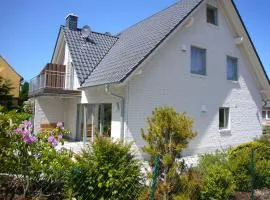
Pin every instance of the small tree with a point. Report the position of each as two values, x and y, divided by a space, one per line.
167 135
5 88
24 92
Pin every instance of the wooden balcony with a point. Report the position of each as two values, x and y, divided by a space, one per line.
53 80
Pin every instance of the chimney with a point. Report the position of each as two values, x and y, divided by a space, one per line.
72 21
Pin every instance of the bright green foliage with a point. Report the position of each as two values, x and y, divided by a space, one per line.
219 158
5 88
9 120
217 183
190 185
167 134
108 171
49 172
265 139
240 165
263 173
41 167
266 130
24 92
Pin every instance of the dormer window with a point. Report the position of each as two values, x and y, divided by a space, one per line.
212 15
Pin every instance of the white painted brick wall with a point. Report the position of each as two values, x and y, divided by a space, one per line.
48 110
166 80
55 109
70 115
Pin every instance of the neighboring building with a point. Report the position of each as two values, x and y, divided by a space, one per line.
8 72
195 56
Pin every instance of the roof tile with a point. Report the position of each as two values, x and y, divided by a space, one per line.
134 44
86 55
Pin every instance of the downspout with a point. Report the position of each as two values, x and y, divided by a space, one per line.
122 102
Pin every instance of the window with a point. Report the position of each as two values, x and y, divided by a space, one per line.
232 71
198 61
266 114
223 118
212 15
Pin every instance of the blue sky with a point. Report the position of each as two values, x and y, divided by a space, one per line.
29 28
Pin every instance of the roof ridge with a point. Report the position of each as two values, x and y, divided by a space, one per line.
154 14
79 29
114 36
131 42
10 66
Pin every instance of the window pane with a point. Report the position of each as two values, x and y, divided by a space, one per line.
268 114
223 118
198 61
226 113
264 114
211 15
232 72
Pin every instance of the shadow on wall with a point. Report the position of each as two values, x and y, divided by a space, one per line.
51 110
241 97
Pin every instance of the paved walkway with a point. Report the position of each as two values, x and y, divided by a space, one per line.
76 147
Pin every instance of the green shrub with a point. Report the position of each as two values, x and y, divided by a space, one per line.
108 171
217 183
219 158
263 173
266 130
49 173
167 134
41 167
9 120
190 182
240 165
265 139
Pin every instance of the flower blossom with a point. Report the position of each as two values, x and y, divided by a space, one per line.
53 140
60 125
25 129
29 139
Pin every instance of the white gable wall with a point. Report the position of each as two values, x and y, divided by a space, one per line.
71 80
166 80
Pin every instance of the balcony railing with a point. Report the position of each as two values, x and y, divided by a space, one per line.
51 81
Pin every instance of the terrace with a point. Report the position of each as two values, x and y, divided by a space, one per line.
53 80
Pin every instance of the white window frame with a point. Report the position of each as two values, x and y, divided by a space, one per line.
215 9
203 71
228 128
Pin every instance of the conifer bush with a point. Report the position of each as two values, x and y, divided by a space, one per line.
166 136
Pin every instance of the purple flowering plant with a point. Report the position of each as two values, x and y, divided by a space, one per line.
25 130
52 136
32 156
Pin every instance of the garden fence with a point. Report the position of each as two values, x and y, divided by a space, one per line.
115 182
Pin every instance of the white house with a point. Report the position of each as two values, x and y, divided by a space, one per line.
195 56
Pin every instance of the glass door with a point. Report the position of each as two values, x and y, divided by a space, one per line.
93 119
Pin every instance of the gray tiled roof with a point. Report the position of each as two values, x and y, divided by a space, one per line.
137 42
86 55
